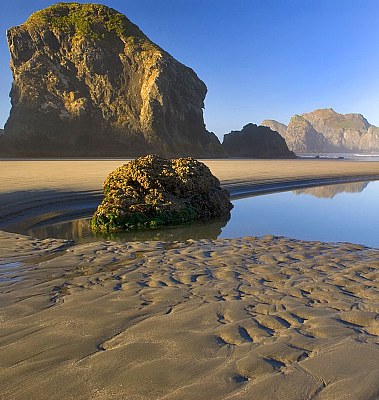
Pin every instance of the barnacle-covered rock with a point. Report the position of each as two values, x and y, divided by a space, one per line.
152 191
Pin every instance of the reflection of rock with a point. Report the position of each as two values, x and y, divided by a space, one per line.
332 190
151 191
80 231
66 230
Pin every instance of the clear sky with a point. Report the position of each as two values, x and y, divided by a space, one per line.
260 59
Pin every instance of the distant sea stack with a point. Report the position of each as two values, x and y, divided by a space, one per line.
256 142
88 82
325 130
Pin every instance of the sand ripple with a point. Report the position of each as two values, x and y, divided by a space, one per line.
249 318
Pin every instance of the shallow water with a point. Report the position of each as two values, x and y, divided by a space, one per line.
334 213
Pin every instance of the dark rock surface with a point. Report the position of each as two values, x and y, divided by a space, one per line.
325 130
151 191
88 82
256 142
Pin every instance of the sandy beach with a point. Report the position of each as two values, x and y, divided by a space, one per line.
247 318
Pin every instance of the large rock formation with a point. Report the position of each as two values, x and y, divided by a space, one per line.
256 142
275 126
325 130
301 136
88 82
151 191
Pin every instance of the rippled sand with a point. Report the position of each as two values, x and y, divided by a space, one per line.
250 318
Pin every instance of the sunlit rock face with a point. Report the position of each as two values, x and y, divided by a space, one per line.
152 191
275 126
301 136
325 130
256 142
88 82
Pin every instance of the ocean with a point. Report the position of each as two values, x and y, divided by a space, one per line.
347 156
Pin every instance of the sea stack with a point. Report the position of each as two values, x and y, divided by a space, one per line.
256 142
325 130
88 82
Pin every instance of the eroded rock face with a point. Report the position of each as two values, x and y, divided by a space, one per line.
151 191
256 142
301 136
88 82
325 130
275 126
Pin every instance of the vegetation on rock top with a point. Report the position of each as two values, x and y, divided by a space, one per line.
85 20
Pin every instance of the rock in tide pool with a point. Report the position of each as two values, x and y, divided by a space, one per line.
152 191
88 82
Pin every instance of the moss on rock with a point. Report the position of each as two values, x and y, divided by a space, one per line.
151 191
84 20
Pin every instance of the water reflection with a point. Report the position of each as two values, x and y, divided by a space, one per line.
352 216
328 192
349 217
80 231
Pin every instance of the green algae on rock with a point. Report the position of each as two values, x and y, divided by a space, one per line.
152 191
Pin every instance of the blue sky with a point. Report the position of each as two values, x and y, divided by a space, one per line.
260 59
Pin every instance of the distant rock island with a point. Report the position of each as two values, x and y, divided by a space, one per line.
88 82
325 130
256 142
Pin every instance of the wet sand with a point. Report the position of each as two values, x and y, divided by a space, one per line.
249 318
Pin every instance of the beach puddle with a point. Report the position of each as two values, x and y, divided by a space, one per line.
336 213
8 272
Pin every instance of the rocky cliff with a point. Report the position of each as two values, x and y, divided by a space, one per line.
275 126
88 82
256 142
301 136
325 130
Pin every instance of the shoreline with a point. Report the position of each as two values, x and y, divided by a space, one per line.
74 188
65 206
266 317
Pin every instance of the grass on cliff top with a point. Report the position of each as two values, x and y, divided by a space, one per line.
85 20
